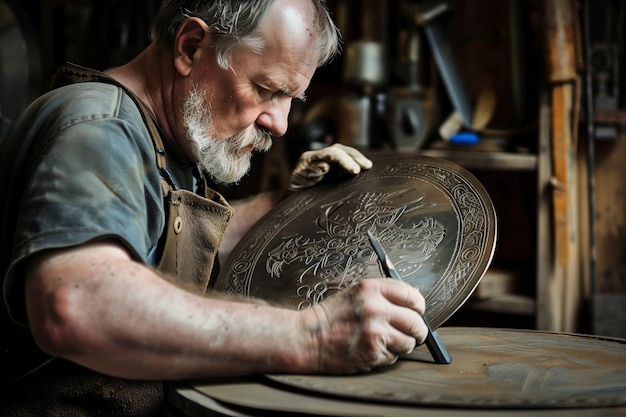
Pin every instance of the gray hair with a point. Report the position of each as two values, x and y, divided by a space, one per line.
235 23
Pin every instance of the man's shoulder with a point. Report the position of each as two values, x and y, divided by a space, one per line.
100 109
88 100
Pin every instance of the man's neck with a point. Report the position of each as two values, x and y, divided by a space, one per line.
149 76
142 77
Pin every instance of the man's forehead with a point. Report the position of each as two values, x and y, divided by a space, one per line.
289 25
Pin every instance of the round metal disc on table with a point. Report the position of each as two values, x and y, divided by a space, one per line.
512 373
434 219
493 368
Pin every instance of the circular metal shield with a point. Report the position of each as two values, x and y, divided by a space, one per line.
433 218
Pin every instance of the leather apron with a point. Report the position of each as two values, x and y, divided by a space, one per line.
193 221
187 250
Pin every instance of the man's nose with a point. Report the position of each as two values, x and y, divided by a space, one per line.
275 117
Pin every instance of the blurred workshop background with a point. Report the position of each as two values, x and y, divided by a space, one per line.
526 94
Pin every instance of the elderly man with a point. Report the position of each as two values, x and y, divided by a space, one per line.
110 232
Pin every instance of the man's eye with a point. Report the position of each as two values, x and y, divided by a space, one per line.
267 94
264 92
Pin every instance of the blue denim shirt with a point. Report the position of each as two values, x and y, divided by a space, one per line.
89 174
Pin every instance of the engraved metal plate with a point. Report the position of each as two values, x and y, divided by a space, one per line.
434 219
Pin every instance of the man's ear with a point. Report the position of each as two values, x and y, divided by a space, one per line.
192 36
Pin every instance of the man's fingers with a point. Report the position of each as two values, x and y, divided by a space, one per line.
410 324
358 157
313 166
403 294
316 169
405 312
348 158
401 344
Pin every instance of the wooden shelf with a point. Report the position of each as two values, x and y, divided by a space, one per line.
507 304
501 161
472 159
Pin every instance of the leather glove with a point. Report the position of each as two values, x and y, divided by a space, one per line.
313 166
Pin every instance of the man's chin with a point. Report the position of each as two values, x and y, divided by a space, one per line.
251 149
233 177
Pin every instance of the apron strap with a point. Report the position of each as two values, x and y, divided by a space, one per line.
72 74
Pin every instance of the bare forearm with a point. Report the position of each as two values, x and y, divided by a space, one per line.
183 335
130 323
97 307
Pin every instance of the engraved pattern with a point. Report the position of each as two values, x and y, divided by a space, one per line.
472 215
433 218
342 253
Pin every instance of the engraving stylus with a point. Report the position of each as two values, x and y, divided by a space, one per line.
433 342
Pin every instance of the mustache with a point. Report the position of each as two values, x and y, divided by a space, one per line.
259 138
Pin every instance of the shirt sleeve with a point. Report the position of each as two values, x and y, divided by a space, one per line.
88 183
90 178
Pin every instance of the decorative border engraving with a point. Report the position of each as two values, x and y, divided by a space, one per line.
338 252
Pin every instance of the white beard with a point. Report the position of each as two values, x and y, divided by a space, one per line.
225 160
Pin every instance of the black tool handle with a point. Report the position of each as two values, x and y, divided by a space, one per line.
436 347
